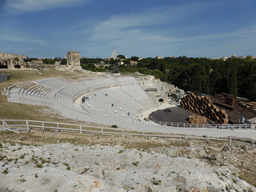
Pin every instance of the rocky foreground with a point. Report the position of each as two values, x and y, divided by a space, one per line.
68 167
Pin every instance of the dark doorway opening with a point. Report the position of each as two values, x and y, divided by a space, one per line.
3 67
161 100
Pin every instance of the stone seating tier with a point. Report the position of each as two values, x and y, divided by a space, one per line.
60 95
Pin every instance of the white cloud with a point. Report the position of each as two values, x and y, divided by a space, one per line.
146 32
131 39
17 38
35 5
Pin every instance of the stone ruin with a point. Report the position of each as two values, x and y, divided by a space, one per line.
11 61
73 62
158 91
73 58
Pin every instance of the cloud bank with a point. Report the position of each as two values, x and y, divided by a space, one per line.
39 5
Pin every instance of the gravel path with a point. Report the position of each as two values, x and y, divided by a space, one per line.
177 114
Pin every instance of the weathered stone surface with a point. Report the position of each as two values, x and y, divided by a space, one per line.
73 58
12 61
66 167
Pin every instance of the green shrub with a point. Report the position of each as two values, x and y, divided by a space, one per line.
121 151
156 182
23 156
135 163
39 165
114 126
6 171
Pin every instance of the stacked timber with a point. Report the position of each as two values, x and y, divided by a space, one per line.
203 106
197 119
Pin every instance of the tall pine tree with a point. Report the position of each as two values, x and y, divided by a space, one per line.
233 82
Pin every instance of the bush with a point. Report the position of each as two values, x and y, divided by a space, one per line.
39 165
156 182
114 126
135 163
23 156
6 171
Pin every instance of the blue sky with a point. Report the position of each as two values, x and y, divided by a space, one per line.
144 28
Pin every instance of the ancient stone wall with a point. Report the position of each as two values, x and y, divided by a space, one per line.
73 58
12 61
12 56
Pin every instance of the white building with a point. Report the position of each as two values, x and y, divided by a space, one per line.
114 54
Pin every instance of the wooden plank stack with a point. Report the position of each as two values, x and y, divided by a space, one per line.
203 106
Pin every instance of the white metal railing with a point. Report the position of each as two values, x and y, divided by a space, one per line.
216 126
57 127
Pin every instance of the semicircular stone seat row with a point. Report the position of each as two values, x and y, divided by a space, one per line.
128 98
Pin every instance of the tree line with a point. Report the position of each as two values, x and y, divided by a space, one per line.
202 75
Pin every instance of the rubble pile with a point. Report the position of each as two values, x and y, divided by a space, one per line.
197 119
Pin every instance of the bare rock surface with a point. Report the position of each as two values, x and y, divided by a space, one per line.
67 167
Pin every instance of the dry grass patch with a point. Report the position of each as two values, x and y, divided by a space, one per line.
248 176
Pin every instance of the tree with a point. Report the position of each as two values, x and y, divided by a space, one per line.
233 83
196 78
249 57
16 59
121 56
252 93
134 58
163 68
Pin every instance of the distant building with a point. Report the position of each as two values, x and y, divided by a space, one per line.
224 58
101 65
233 56
133 63
159 57
120 63
114 54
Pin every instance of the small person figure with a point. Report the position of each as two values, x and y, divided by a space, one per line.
112 104
128 114
106 94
